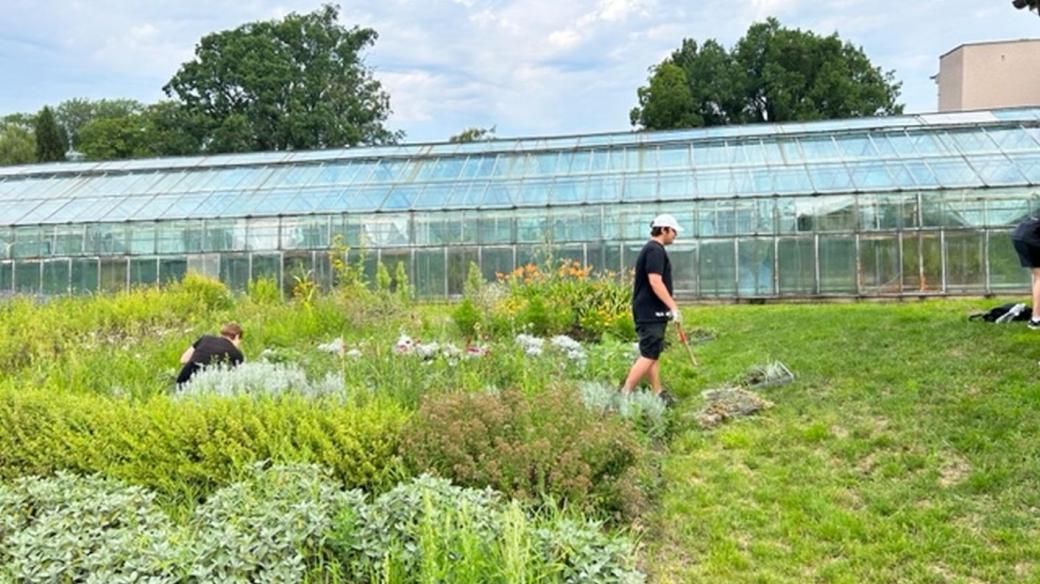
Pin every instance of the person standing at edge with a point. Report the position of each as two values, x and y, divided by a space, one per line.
1026 239
653 305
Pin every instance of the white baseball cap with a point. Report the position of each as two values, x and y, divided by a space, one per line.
666 220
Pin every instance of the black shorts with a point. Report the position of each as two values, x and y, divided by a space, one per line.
651 338
1028 252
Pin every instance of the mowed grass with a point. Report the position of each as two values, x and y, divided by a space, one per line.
907 450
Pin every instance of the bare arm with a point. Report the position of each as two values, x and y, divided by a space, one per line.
657 285
187 355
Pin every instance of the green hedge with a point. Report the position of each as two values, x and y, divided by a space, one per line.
184 449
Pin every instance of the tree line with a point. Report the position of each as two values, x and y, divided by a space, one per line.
300 83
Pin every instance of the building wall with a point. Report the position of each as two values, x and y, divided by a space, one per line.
938 242
989 76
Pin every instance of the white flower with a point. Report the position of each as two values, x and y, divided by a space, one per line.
405 344
354 354
427 350
335 346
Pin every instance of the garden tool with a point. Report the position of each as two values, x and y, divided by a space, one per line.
685 343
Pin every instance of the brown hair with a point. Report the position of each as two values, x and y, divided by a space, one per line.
655 231
231 330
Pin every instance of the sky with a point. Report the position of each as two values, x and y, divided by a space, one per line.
527 67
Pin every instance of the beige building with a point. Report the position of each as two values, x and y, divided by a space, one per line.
990 75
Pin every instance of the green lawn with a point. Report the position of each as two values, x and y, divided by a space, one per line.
906 451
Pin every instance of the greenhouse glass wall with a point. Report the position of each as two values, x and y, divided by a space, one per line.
896 206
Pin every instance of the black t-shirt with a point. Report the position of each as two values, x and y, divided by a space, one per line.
646 306
1028 231
208 350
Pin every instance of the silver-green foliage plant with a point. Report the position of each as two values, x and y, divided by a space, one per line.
85 529
644 409
395 519
268 527
259 379
584 553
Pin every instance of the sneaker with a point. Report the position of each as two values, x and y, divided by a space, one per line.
1034 324
667 397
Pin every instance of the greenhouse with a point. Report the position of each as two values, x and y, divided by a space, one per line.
898 206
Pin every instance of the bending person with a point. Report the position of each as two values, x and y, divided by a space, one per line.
211 349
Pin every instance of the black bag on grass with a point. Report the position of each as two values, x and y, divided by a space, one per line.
1003 312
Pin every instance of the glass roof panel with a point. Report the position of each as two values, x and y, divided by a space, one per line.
996 170
673 157
972 141
400 197
1013 139
569 190
870 175
435 196
532 192
127 208
676 185
954 172
604 189
499 194
818 148
42 211
791 179
1028 165
714 182
830 178
365 198
12 212
477 167
186 205
855 146
467 195
640 187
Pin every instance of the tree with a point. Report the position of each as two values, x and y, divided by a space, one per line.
473 135
50 144
75 113
17 144
1027 4
667 102
295 83
162 129
772 74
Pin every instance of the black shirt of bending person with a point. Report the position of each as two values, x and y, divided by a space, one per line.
210 350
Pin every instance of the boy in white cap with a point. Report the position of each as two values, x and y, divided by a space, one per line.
653 305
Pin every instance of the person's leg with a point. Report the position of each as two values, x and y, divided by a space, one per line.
1036 292
655 377
639 370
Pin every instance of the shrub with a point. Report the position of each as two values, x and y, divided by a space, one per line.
643 408
72 529
397 518
208 293
565 298
264 291
429 530
185 449
268 527
549 445
259 379
294 524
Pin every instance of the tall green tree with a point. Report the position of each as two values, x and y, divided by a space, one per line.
295 83
772 74
162 129
75 113
17 144
50 143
